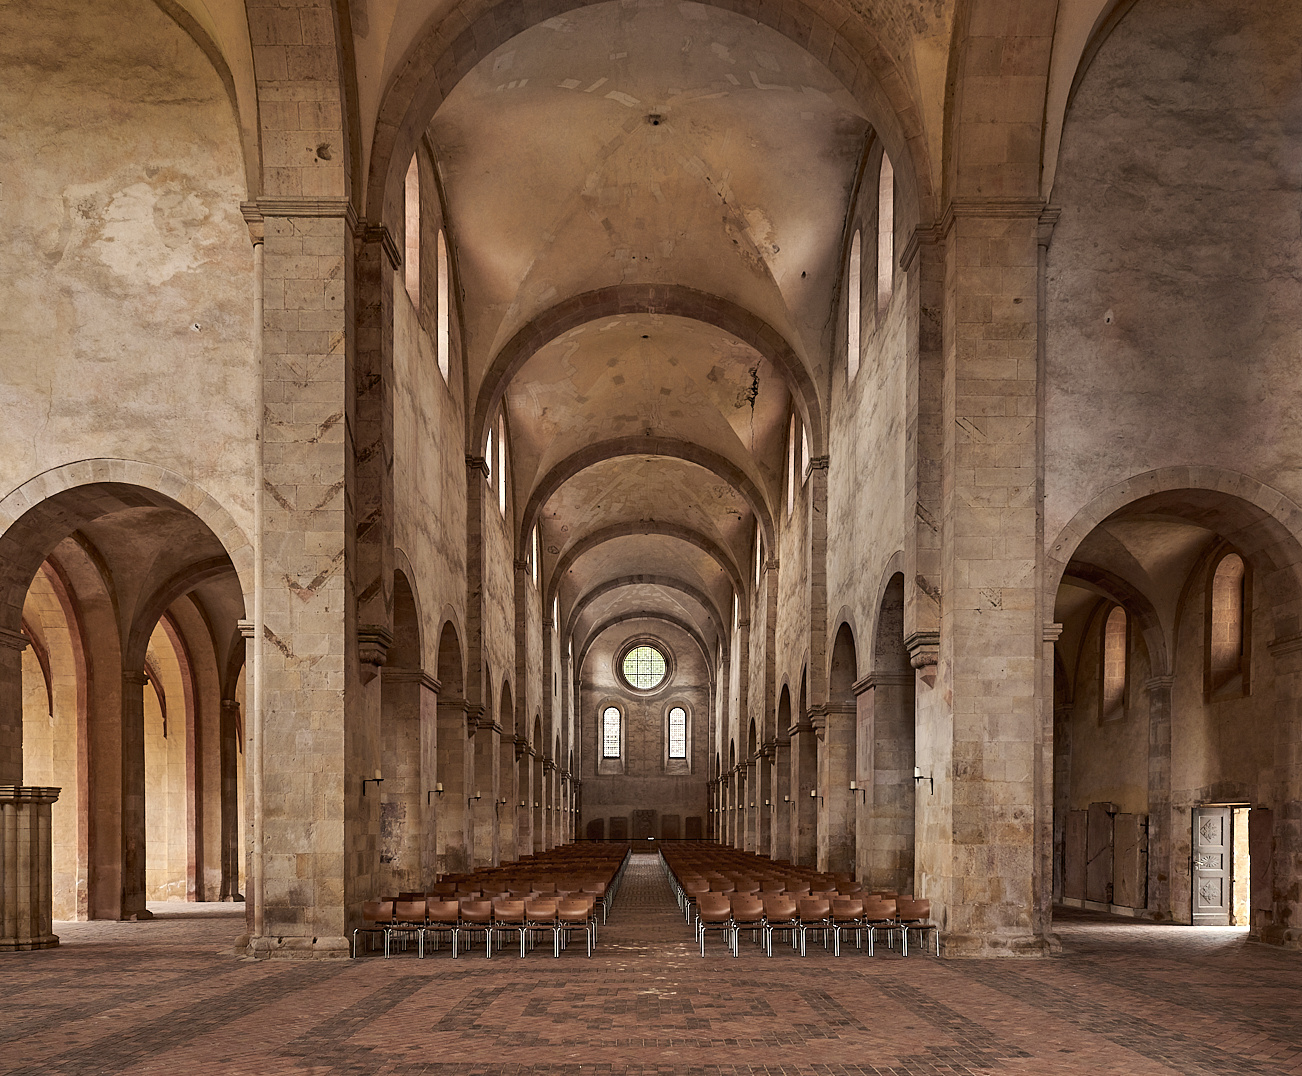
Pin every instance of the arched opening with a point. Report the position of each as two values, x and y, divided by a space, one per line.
783 808
505 810
889 754
854 297
126 604
838 820
1170 796
404 753
804 784
452 814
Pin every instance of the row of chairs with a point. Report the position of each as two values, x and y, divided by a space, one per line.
496 901
722 877
492 920
776 913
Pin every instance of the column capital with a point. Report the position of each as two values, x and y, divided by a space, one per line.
923 648
246 628
373 644
1052 632
138 679
1159 683
14 640
480 464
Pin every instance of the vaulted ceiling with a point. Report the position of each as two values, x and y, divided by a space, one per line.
614 148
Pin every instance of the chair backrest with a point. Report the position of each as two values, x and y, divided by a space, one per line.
812 908
540 910
847 907
797 892
442 911
508 911
777 907
573 910
746 906
773 885
377 911
714 906
476 911
410 911
879 908
544 886
746 886
913 910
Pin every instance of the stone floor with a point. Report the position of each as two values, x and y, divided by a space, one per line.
1123 998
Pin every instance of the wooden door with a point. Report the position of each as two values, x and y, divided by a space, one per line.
1212 852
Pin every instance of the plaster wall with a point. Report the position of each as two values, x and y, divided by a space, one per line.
646 780
127 276
1174 291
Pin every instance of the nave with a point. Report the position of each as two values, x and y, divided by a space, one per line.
1125 997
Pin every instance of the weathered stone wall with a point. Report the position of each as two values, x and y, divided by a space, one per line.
127 273
645 782
1174 311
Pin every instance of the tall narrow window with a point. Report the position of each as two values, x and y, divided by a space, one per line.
885 234
804 452
610 732
444 291
791 466
501 468
1115 649
488 455
677 732
854 297
1227 629
556 614
533 554
759 554
411 230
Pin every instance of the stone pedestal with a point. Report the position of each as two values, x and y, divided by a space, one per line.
25 896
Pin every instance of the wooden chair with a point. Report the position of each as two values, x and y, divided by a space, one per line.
508 918
408 920
713 912
847 914
376 917
747 914
916 915
815 915
442 917
476 918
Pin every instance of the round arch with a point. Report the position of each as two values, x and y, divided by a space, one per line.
76 493
449 48
668 581
670 447
623 530
673 299
624 618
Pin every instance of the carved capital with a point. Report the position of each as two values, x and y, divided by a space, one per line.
923 648
478 463
412 676
818 720
14 640
818 463
1159 683
1052 632
373 643
137 679
246 628
474 712
379 233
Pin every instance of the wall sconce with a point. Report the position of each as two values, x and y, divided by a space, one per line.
813 793
437 790
918 775
767 804
523 804
786 799
854 787
471 799
371 781
536 803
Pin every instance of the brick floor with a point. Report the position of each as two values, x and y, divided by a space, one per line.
1124 998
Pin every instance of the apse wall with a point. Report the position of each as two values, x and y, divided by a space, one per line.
127 278
643 793
1174 288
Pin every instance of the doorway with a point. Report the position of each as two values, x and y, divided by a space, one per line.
1222 866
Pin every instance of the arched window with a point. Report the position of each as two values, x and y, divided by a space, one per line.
501 466
854 297
677 732
759 554
1227 628
533 554
791 466
885 234
488 455
411 233
1116 637
444 291
804 453
610 730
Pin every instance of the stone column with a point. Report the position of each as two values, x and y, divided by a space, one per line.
229 747
133 797
12 644
1286 876
764 808
1061 792
804 779
26 868
836 821
781 848
990 628
1159 690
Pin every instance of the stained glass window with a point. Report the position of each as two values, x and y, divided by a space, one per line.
677 732
644 667
610 732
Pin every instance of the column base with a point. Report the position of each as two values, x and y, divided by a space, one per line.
1284 937
9 945
270 947
984 947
